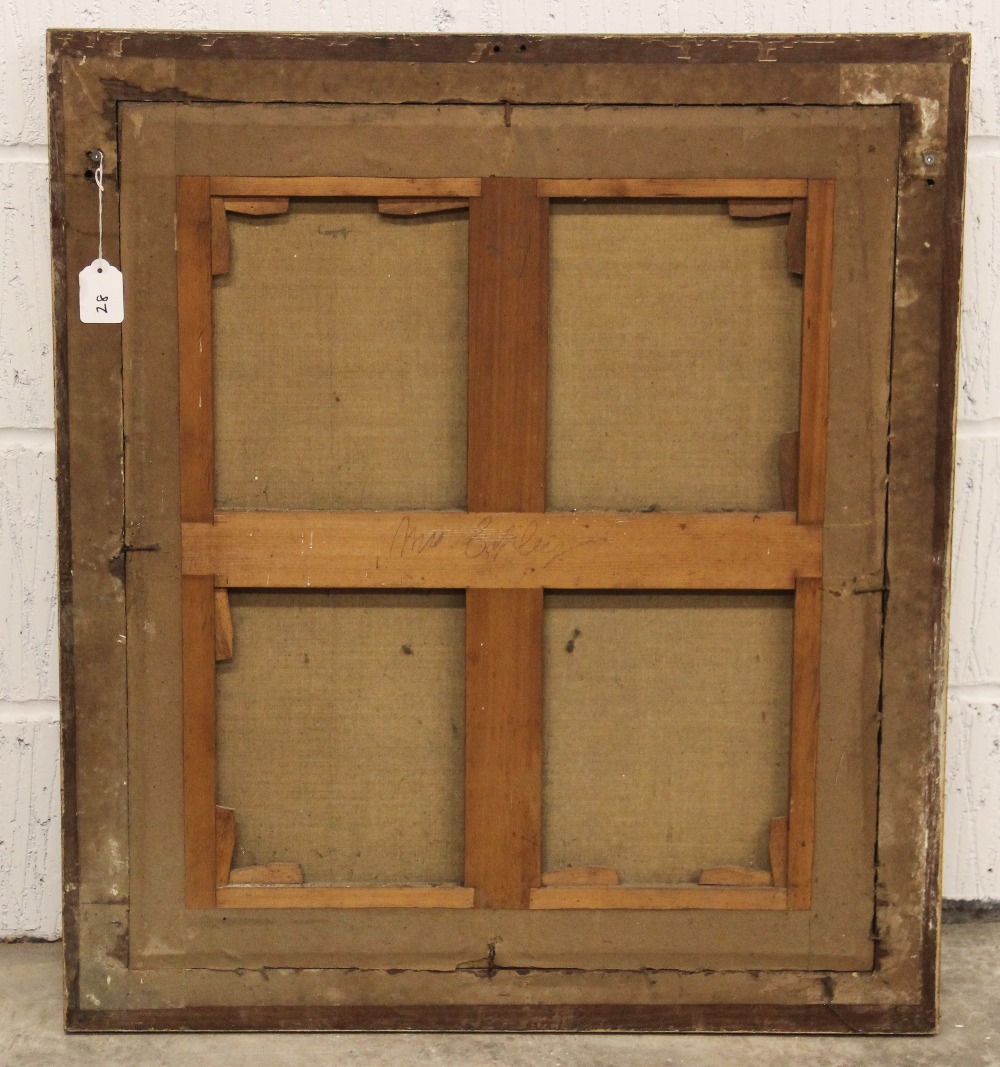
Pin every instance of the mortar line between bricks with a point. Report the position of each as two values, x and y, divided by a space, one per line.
44 439
973 428
32 711
24 153
973 692
980 146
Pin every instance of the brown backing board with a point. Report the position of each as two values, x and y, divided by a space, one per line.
612 989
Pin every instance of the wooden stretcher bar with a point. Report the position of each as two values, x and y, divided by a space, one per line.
659 898
438 188
198 616
321 896
505 551
673 188
504 671
512 550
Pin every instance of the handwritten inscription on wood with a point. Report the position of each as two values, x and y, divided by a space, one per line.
456 550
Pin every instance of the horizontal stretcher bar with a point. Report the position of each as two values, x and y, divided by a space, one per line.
502 550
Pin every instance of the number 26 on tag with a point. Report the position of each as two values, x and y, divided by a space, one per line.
102 297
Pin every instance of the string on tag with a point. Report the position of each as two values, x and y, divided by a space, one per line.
102 296
98 157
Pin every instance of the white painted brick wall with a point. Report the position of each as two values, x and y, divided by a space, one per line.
30 883
29 846
975 607
972 781
979 396
28 645
25 320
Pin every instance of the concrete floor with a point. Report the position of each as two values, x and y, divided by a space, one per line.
31 1032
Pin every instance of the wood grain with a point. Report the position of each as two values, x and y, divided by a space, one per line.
198 657
759 209
223 626
734 876
349 186
673 188
788 470
816 307
660 898
503 745
267 874
256 205
508 357
778 850
508 346
221 248
197 503
582 876
804 740
456 549
319 896
729 56
401 205
194 324
225 843
795 238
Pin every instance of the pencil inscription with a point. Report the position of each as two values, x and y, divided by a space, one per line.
489 541
409 541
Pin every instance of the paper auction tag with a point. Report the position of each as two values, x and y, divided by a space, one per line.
102 293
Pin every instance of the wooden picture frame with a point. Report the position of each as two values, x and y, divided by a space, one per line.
130 866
